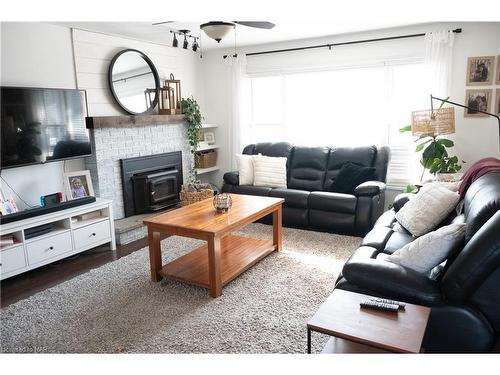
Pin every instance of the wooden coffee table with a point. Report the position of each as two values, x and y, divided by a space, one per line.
354 327
225 256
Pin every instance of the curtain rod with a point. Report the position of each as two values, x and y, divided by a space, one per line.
330 45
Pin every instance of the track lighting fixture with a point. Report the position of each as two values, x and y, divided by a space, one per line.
195 44
175 42
185 44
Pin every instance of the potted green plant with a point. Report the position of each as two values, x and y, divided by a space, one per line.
191 110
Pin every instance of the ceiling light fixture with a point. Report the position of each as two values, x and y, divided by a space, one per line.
217 29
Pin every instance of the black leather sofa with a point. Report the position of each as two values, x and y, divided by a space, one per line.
463 292
310 172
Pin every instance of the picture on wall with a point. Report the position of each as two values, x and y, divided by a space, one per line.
497 102
78 185
478 100
497 76
480 70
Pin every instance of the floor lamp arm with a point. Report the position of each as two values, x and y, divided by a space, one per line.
467 107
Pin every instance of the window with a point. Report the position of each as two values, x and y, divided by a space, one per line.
348 107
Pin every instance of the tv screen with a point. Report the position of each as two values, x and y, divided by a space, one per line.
41 125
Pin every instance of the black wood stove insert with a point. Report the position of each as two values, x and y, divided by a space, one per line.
151 183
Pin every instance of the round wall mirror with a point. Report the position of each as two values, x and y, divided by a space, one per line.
134 82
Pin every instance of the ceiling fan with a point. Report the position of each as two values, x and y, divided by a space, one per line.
219 29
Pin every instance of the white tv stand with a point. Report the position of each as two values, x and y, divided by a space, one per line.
69 236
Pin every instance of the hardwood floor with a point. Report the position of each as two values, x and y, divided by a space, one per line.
26 284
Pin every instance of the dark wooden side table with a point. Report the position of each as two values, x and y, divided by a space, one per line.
355 328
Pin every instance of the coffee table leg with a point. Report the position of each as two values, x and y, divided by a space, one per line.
277 228
308 341
214 274
154 254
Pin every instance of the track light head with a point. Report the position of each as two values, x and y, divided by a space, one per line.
195 45
185 43
175 42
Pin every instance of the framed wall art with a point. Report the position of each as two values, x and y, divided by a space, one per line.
480 70
478 100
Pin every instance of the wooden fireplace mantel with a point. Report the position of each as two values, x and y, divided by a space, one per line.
130 121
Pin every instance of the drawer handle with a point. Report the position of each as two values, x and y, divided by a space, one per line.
50 248
93 234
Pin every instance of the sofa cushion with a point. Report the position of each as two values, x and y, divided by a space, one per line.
307 168
278 149
396 241
262 191
350 176
364 156
333 202
293 197
428 251
245 169
430 206
377 237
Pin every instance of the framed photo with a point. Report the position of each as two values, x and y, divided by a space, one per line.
209 137
496 110
78 185
480 70
478 99
497 76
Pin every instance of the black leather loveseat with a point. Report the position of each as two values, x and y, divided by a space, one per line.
463 292
310 173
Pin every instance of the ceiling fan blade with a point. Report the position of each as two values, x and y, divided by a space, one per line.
161 23
257 24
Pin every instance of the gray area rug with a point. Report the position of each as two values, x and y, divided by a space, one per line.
115 308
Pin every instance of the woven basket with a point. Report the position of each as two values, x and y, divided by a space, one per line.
206 159
190 197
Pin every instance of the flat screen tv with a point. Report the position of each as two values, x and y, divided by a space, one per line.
41 125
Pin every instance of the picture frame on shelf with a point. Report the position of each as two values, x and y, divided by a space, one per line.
497 102
209 137
78 184
480 70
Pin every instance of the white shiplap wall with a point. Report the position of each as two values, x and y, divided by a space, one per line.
93 53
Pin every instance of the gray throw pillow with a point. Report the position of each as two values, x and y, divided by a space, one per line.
426 252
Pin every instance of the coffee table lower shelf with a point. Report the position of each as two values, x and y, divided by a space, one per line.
237 255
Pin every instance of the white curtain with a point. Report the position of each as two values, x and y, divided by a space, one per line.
238 90
439 56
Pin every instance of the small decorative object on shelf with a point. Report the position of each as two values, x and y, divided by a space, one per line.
170 97
222 202
196 191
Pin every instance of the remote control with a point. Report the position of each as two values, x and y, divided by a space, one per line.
379 306
389 301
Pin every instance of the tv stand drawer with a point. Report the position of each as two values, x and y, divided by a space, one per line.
48 247
92 234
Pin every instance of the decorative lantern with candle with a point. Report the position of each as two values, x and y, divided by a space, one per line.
170 97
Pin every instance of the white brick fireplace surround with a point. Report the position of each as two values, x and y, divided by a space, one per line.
126 140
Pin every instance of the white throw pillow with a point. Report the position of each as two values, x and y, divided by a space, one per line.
430 206
426 252
269 171
245 169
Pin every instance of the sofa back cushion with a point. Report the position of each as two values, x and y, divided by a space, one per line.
307 167
278 149
364 156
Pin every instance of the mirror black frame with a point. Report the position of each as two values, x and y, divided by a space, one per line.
155 75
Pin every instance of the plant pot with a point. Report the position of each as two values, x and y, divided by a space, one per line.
448 177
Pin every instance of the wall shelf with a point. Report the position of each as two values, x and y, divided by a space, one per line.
209 126
130 121
209 147
206 170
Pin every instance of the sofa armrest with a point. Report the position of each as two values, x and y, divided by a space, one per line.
369 188
401 200
392 281
232 178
